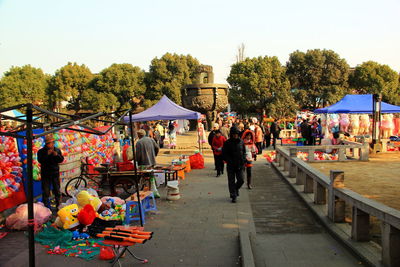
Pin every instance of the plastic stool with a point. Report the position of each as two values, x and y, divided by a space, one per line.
132 212
149 203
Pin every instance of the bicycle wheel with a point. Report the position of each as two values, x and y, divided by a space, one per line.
125 187
74 185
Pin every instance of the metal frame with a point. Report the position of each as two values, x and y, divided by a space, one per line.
62 121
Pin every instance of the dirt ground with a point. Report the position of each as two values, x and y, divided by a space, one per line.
377 179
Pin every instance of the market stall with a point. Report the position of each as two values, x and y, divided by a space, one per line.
38 118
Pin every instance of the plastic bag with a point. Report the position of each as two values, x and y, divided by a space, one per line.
196 161
106 253
19 219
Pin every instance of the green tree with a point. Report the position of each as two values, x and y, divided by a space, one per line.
372 78
99 102
260 84
318 77
24 84
124 81
69 83
169 74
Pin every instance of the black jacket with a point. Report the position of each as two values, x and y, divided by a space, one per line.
211 137
49 163
234 153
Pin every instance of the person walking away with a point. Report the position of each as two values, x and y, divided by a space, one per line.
251 151
233 152
210 139
49 158
146 150
267 135
258 137
275 129
217 144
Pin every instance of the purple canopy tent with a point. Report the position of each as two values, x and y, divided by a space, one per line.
165 109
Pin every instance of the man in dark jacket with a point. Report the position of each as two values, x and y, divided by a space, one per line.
210 139
49 157
234 154
274 129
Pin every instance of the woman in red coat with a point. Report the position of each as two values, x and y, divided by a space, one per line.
217 144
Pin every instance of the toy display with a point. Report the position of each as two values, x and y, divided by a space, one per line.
68 217
344 123
387 126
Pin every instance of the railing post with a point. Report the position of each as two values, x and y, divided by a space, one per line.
286 163
360 225
282 161
300 176
278 157
311 155
356 152
342 154
336 206
292 166
390 245
364 152
319 193
308 184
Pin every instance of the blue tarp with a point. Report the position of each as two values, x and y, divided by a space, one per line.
165 109
357 104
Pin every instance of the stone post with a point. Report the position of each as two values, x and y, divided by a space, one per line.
311 155
319 193
292 166
342 154
360 225
309 184
336 206
300 177
390 245
364 152
286 163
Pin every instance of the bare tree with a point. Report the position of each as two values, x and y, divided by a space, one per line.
240 55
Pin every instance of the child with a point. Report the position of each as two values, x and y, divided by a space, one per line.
251 152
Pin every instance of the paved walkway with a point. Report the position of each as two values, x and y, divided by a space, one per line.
286 231
200 229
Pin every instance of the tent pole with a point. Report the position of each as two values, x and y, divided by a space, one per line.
31 222
135 168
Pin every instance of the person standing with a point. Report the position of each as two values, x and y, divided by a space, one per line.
146 150
274 129
161 130
258 137
233 152
225 130
210 139
305 130
49 157
217 144
251 151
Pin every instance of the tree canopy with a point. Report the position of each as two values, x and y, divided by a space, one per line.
168 75
372 78
69 83
318 77
24 84
260 84
119 83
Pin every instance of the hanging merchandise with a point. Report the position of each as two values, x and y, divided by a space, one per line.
11 187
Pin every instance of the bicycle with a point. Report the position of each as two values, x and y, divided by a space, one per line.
94 180
120 186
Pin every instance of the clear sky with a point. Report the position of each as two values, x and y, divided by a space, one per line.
97 33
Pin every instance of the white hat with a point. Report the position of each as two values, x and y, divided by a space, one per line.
216 125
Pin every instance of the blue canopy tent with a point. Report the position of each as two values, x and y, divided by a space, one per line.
357 104
165 109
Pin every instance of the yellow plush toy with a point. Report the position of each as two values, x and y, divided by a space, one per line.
68 216
83 198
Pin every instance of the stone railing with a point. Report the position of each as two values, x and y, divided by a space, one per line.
330 192
350 150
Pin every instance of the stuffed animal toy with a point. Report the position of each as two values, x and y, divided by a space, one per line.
116 200
364 124
87 215
344 122
68 216
355 123
19 219
83 198
396 126
387 126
